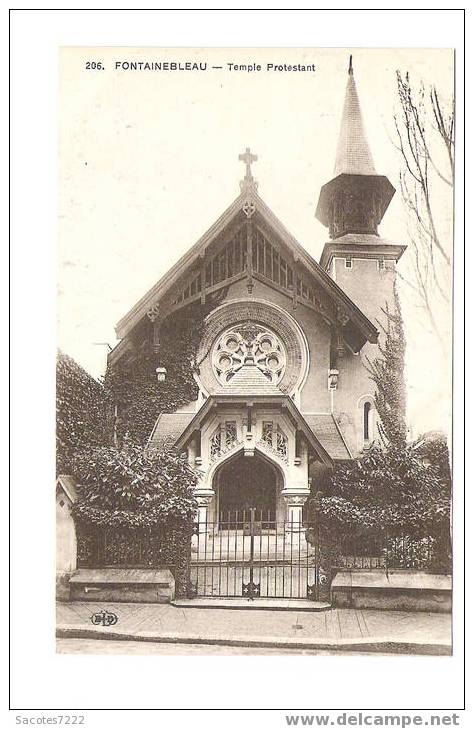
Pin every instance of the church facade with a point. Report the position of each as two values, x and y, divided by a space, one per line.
284 391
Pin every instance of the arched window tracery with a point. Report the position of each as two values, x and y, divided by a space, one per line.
249 344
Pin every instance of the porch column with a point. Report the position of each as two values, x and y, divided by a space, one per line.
295 502
203 499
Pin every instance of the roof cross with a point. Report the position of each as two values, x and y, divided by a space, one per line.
248 158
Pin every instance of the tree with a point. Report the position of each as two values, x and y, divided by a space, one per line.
424 128
394 492
135 506
387 372
396 489
392 488
80 412
133 488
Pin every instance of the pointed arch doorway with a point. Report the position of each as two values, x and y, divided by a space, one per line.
245 483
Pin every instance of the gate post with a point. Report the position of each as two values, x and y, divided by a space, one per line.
294 521
316 537
203 499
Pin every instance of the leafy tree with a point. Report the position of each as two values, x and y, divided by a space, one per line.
395 488
135 504
134 500
395 491
133 487
80 411
387 372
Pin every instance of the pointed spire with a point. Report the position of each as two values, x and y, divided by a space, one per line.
353 156
356 199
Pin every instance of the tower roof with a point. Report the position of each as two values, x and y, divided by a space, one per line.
356 198
353 156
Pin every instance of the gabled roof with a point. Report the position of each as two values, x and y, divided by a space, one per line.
329 435
168 428
135 314
321 430
367 330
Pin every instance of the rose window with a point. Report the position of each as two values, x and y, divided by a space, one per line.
248 344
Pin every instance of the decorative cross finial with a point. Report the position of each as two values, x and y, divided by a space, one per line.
248 158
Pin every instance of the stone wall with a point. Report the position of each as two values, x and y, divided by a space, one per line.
395 590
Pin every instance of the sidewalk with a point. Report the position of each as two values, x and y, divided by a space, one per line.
334 629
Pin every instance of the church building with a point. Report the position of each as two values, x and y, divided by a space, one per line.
284 391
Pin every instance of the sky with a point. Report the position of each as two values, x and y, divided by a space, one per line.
148 160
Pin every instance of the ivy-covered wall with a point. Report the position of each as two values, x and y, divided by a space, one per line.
134 507
80 412
134 395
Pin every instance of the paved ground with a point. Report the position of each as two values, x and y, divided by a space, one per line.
140 648
334 629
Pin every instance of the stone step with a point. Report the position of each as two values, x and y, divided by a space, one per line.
235 603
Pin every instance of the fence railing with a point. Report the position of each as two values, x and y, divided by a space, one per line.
109 548
117 548
386 551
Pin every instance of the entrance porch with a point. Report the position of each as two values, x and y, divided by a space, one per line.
245 484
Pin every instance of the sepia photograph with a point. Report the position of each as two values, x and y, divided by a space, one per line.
254 365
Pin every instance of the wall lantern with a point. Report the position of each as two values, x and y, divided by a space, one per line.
161 374
333 376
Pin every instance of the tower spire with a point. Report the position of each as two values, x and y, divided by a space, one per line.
353 156
356 199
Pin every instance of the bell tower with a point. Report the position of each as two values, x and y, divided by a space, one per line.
351 206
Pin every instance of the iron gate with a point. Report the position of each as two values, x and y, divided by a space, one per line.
248 554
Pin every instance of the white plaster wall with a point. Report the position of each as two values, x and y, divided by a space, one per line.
371 289
66 545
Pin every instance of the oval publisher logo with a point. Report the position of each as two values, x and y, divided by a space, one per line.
104 617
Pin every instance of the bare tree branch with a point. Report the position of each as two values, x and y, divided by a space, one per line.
424 137
415 149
